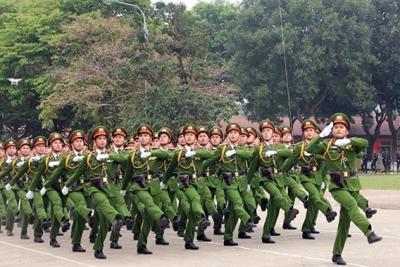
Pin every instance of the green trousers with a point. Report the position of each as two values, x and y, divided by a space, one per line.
219 195
317 203
196 212
81 214
58 202
349 212
237 211
278 200
152 214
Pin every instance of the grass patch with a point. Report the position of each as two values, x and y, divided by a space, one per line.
380 181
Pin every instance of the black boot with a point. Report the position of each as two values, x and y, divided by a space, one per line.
263 204
372 238
203 237
163 222
38 239
370 212
65 226
288 226
314 231
243 235
135 236
180 233
92 239
161 241
143 250
267 240
218 232
117 225
78 248
115 245
230 243
204 224
10 233
338 260
98 254
217 218
330 215
307 235
249 226
24 236
31 219
293 213
129 224
91 221
175 224
54 243
274 233
191 246
256 219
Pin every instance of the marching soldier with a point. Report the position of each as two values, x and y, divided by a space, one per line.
141 171
340 155
18 187
184 161
94 168
311 179
232 165
267 158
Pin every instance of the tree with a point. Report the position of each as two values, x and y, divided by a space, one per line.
386 76
327 55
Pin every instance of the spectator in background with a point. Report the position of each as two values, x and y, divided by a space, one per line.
379 164
373 162
398 162
386 162
364 162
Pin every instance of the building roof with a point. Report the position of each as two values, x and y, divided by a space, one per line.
356 128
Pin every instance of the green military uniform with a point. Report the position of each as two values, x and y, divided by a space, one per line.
266 159
8 196
94 168
187 162
341 158
19 187
310 177
2 197
140 167
67 167
232 166
47 166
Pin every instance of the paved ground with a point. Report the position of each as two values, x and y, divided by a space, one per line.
290 249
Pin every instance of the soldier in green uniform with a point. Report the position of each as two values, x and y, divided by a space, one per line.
184 161
203 185
94 167
266 159
142 171
9 196
232 165
68 165
29 169
2 197
258 191
116 172
47 166
18 186
215 183
340 154
311 178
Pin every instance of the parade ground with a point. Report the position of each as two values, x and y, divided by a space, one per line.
290 249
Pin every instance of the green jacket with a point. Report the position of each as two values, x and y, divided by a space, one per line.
335 158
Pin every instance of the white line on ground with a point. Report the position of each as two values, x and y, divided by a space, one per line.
47 254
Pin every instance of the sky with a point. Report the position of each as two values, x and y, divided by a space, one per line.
189 3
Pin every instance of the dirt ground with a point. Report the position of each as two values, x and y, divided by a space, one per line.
290 249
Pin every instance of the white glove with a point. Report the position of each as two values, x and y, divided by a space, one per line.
342 142
122 192
270 153
230 153
64 190
29 194
100 157
35 158
19 164
77 158
162 185
8 161
54 164
328 129
248 188
322 185
190 154
43 191
145 155
307 154
8 187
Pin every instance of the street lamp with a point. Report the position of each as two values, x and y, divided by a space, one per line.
146 31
